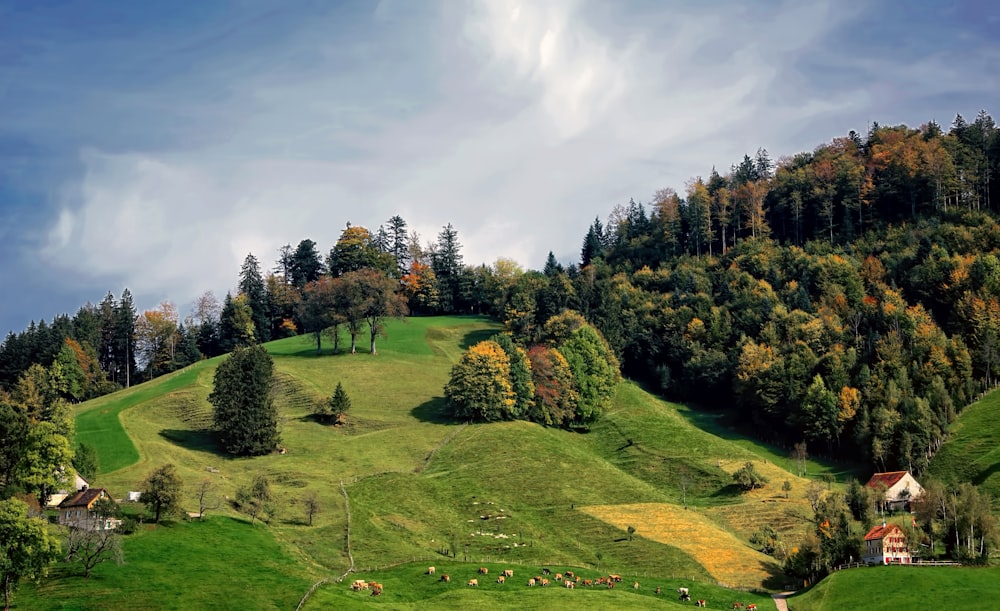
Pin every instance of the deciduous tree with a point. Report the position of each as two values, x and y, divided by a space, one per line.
161 491
26 547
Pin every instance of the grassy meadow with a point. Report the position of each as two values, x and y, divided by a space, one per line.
901 587
972 451
425 490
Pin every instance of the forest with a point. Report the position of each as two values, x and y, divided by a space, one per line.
848 297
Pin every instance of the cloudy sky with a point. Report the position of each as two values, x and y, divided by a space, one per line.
152 145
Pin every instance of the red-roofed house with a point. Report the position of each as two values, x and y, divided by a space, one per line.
900 488
886 544
79 511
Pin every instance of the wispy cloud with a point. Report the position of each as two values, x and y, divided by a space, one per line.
518 122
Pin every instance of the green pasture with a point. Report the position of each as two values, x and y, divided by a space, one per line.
408 586
220 563
972 451
419 485
901 587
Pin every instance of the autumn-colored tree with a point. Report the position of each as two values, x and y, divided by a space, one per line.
380 298
556 397
420 288
479 387
520 375
356 250
156 338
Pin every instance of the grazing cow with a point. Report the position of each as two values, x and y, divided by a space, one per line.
545 582
611 585
508 572
568 574
501 579
446 577
700 603
546 572
359 584
658 591
376 589
588 582
569 584
473 582
615 578
559 576
531 582
635 586
682 591
737 605
752 607
431 570
483 570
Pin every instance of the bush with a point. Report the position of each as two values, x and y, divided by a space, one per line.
748 478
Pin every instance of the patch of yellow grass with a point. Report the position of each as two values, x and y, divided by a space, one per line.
768 505
729 560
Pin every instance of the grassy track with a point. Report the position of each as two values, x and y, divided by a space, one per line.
902 587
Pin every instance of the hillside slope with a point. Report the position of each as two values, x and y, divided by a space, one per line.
421 486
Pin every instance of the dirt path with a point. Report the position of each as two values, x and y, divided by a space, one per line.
779 600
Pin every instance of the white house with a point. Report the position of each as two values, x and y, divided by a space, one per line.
900 488
886 544
81 511
78 484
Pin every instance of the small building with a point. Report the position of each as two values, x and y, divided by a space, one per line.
79 511
78 484
900 488
886 544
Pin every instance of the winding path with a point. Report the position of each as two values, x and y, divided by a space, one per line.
779 600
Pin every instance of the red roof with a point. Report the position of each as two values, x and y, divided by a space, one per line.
84 498
881 532
886 479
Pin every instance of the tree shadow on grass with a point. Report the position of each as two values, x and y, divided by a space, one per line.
474 337
731 492
196 439
434 410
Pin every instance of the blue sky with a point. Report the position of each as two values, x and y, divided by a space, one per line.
152 145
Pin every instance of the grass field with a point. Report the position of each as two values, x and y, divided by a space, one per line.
220 563
421 486
972 451
909 587
409 587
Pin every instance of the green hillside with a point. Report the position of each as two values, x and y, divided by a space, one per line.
901 587
423 488
972 451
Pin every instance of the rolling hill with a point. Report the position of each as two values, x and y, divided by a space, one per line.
422 488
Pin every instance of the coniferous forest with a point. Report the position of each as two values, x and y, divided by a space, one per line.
848 297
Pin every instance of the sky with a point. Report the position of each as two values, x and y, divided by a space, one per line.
152 145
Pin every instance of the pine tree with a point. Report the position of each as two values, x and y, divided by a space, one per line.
252 285
338 404
245 416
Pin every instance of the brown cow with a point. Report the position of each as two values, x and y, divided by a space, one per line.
483 570
559 576
501 579
545 582
508 572
473 582
635 586
446 577
531 582
431 570
569 584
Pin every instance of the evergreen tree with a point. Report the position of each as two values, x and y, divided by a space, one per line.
336 406
446 261
399 244
245 416
252 285
125 339
305 265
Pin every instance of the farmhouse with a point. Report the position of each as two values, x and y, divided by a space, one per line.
72 486
886 545
80 510
900 488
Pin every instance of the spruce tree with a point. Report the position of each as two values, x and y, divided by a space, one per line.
245 417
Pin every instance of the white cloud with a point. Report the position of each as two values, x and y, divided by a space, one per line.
518 122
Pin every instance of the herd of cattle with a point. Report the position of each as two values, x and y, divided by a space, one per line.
566 579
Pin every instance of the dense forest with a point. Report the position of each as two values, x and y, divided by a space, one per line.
848 297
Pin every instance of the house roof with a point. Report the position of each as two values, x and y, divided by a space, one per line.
880 532
886 479
84 498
